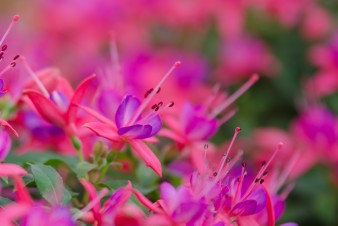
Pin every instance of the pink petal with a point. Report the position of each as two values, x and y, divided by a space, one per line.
172 135
77 98
13 211
8 126
103 130
46 108
169 196
147 155
126 110
5 144
118 199
146 202
92 194
8 170
21 191
98 116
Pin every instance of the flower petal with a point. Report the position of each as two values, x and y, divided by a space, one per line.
247 207
126 110
103 130
169 195
46 108
189 212
119 198
77 98
136 131
8 126
5 144
147 155
8 170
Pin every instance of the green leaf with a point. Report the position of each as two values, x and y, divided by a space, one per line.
50 184
83 168
4 201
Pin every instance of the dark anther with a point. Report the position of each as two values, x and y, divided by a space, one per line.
256 180
16 57
244 164
171 104
1 54
159 89
160 104
13 64
206 146
265 173
148 92
154 106
237 179
215 174
157 108
263 163
4 47
261 181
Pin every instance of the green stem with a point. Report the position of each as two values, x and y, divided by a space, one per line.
103 173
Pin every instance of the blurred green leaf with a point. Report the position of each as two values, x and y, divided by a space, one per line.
50 184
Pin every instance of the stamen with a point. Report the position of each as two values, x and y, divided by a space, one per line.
159 89
11 65
4 47
171 104
148 92
262 171
152 94
225 156
254 78
34 77
14 20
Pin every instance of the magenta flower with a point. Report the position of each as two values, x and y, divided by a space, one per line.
58 108
5 144
56 216
131 127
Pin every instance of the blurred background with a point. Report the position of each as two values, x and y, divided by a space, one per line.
291 44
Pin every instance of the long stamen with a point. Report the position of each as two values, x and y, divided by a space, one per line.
14 20
225 156
254 78
9 66
34 77
212 96
157 110
227 116
262 171
152 93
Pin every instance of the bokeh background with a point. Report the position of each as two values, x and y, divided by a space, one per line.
291 44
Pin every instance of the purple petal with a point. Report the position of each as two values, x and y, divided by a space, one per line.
247 207
5 144
60 100
126 110
279 206
155 123
259 196
3 93
1 83
136 131
189 212
120 197
201 128
107 102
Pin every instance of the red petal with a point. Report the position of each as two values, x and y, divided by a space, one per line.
46 108
92 194
147 155
77 98
103 130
